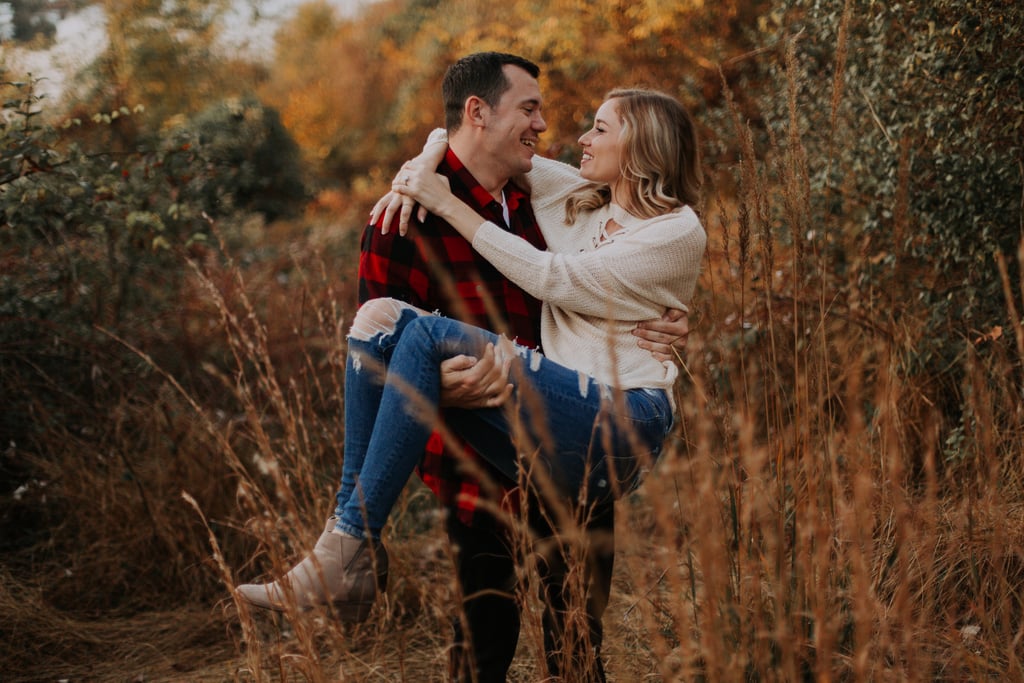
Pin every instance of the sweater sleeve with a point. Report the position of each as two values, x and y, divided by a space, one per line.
551 182
634 276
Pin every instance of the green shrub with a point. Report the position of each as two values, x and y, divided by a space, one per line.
99 232
253 161
96 239
914 165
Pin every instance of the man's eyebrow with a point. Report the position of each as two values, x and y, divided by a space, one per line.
530 102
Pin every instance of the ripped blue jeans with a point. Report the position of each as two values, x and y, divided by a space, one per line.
563 429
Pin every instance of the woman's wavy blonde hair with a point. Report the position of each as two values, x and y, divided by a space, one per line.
661 160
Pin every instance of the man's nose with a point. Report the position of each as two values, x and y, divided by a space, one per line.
539 124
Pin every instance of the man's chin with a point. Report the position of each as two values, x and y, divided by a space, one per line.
523 168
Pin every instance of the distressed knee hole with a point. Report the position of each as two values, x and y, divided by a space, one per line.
377 317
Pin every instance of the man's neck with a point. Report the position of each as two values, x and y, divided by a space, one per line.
480 165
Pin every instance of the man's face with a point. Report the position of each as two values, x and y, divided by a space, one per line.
512 127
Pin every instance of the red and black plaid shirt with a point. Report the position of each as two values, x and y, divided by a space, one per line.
435 268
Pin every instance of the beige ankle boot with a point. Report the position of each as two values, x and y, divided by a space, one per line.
343 572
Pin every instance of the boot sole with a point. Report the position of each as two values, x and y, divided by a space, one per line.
346 612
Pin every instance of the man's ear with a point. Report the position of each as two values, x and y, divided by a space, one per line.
474 111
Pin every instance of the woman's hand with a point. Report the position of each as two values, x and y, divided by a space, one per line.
402 204
433 192
422 184
392 203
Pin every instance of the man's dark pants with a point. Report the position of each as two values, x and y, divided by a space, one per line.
486 569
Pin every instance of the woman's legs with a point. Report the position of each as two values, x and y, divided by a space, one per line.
392 391
344 571
570 417
588 439
371 341
590 442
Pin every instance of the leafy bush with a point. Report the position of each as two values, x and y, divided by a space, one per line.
93 239
253 162
910 116
101 230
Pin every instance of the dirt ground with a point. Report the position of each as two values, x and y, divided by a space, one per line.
405 639
195 645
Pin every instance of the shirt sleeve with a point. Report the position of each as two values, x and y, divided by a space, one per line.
635 276
392 266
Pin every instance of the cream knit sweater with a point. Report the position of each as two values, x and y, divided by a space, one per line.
595 291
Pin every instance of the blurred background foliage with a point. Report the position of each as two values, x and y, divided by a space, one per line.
864 162
913 176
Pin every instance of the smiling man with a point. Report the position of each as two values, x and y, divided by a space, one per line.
497 139
493 116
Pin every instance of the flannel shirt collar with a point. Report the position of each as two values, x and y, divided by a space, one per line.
484 202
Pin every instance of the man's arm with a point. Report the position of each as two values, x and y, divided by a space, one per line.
665 338
390 266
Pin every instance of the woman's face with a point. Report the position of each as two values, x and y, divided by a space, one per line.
602 149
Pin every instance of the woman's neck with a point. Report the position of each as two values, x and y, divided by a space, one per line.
621 196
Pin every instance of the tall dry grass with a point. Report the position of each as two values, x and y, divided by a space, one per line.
806 522
811 523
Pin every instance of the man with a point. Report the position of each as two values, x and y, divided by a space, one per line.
493 116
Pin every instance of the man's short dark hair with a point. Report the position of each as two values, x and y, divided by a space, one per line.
478 74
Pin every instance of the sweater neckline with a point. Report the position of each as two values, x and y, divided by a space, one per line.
614 212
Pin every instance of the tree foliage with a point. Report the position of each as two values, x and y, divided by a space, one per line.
97 236
165 57
360 94
915 159
256 161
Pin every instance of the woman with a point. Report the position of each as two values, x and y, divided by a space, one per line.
591 414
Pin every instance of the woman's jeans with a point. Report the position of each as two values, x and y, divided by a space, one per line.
568 432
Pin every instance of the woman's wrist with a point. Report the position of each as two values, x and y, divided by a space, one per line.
461 217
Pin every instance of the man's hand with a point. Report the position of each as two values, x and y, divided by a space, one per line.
469 382
664 338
